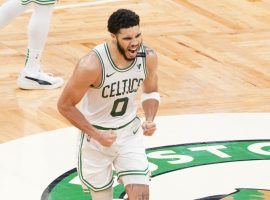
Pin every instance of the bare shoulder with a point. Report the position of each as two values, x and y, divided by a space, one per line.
150 82
89 62
151 58
88 71
150 52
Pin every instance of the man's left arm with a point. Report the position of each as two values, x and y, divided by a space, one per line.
150 97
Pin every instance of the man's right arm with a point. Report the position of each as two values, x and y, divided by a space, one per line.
87 72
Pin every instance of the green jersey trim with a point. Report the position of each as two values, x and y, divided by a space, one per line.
144 61
103 70
113 64
120 127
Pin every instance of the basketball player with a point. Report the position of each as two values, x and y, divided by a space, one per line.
107 80
32 76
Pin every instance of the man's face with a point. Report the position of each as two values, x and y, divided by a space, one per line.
128 42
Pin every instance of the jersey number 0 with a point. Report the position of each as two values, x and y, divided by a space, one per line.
119 107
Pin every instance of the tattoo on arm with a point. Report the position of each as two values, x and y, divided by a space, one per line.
142 197
149 51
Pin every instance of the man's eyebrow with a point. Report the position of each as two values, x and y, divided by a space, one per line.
129 37
138 34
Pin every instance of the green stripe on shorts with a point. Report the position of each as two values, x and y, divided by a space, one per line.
85 182
133 172
40 2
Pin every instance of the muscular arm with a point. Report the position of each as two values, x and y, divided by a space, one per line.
150 106
87 72
150 84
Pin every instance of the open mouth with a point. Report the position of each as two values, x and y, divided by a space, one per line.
132 52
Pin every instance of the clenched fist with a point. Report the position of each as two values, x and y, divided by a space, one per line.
106 138
149 128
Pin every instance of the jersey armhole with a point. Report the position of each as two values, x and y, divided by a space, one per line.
102 68
144 61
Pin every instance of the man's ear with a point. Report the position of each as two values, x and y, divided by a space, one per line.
113 37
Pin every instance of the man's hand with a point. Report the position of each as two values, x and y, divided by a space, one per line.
106 138
148 128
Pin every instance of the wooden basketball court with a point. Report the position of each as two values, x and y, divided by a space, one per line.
213 57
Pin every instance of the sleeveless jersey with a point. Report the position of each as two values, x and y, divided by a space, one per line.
112 104
41 2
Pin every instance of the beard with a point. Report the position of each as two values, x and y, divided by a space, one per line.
122 51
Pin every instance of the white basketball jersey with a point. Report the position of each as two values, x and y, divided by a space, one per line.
112 104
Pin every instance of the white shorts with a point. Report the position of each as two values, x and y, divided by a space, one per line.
127 156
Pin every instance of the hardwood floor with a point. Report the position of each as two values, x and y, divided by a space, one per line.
214 56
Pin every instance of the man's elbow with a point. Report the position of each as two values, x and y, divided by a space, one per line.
62 108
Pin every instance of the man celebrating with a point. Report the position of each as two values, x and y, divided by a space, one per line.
106 80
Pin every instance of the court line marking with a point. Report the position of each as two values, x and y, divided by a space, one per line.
92 3
85 4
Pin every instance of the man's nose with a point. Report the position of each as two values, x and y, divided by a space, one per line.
134 42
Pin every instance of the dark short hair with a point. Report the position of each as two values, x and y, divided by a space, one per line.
122 18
